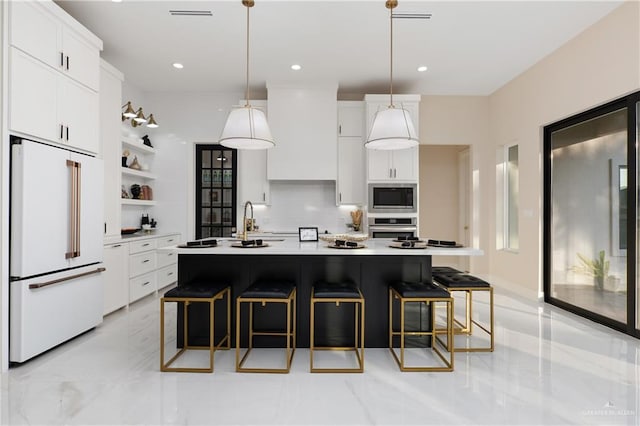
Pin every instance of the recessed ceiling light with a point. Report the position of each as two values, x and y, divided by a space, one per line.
296 67
422 68
178 65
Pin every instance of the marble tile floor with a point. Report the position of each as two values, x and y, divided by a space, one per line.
549 368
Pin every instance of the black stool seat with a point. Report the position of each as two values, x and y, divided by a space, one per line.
418 289
444 270
460 280
343 290
196 290
271 289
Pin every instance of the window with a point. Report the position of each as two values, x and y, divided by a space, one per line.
507 190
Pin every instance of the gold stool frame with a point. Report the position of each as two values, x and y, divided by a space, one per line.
394 295
359 334
466 328
290 332
212 347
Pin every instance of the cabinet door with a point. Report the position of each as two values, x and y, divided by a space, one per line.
79 113
32 97
405 165
91 209
35 31
350 118
350 170
379 165
116 277
252 177
81 60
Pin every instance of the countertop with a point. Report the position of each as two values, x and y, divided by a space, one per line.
291 246
140 235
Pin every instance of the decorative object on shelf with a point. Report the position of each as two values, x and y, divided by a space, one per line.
137 116
392 128
135 191
124 193
356 217
125 157
153 223
144 220
135 165
247 127
145 139
147 192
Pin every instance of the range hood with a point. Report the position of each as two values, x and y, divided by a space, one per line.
304 124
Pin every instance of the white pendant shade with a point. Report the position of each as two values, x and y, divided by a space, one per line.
246 128
392 128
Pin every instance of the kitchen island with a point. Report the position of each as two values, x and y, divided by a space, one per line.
371 268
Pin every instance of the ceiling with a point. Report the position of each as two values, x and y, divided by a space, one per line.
469 47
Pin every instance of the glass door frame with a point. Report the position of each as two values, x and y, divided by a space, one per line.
631 103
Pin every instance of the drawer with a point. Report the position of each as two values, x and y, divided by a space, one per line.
142 263
167 275
141 286
169 240
165 258
140 246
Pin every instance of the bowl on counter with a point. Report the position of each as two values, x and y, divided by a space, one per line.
355 237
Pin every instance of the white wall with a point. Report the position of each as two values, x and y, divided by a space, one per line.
598 65
4 199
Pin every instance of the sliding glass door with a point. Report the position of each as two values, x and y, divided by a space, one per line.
591 215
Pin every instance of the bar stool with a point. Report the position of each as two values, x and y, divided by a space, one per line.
345 292
444 270
428 293
266 292
469 285
199 292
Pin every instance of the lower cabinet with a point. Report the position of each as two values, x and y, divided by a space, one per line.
135 270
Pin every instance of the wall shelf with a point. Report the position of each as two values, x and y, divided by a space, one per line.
137 173
133 202
136 144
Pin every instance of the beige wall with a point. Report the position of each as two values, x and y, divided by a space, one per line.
460 120
601 64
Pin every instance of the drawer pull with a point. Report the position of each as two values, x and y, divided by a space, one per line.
146 244
116 246
146 260
170 241
169 274
170 254
148 282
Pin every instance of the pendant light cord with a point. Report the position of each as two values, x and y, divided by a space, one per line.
247 91
391 57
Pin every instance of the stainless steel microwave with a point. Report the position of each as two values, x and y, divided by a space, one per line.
393 198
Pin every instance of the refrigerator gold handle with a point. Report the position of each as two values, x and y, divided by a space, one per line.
72 209
78 204
61 280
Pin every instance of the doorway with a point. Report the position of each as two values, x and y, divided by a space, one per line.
444 199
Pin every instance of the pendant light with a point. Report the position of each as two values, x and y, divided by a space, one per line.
392 128
247 127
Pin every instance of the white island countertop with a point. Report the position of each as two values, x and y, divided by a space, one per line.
291 246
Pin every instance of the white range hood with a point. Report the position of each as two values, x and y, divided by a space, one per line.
304 125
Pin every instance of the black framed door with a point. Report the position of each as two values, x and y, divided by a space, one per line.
590 259
216 182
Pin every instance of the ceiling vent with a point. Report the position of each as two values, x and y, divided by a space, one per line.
190 13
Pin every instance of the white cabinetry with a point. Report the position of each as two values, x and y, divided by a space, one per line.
47 33
351 157
54 76
253 184
303 123
48 105
136 269
110 124
395 165
116 277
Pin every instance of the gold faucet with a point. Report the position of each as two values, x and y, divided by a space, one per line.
244 220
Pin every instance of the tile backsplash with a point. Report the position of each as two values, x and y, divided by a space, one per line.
303 203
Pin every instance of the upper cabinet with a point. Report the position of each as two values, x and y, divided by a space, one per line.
350 186
393 165
304 126
47 33
53 76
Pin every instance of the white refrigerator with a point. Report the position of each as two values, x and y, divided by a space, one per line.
56 290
